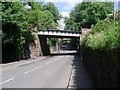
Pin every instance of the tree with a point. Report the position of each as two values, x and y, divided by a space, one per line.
42 19
86 14
18 24
51 20
53 10
35 5
12 40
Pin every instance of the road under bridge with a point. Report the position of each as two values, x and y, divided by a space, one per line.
44 34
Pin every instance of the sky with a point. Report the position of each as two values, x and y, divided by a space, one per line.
65 6
119 5
64 9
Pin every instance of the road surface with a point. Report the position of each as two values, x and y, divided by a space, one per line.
55 71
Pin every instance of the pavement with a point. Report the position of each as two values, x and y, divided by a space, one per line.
79 76
62 70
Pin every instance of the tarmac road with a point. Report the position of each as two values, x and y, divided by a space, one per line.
55 71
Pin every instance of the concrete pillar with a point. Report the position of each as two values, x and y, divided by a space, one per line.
44 47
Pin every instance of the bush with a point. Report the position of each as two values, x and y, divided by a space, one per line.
101 52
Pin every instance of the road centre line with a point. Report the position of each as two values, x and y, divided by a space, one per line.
41 66
49 62
58 58
38 67
32 70
6 81
26 72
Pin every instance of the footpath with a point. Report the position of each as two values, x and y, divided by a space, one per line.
79 75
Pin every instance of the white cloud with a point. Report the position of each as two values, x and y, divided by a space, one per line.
65 14
66 8
27 6
80 0
61 24
63 0
69 6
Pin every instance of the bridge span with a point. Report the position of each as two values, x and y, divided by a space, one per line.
44 34
60 33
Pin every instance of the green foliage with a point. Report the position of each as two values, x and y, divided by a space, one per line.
102 36
86 14
47 21
41 19
0 33
101 53
19 22
12 32
50 20
35 5
53 10
51 41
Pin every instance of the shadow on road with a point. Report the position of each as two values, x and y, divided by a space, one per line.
64 52
79 76
59 54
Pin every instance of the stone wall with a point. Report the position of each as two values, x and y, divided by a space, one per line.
84 32
35 49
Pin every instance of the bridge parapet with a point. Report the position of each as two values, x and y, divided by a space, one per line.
59 33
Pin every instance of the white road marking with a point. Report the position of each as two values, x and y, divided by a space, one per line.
49 62
26 72
38 67
32 70
58 58
41 66
6 81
